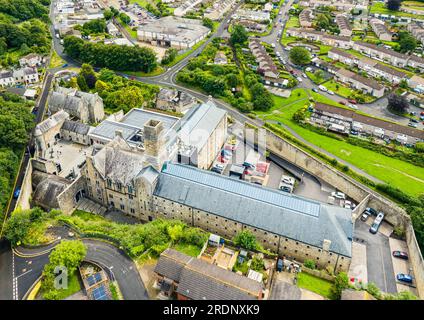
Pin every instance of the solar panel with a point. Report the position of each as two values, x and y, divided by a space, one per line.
100 293
276 198
91 280
98 277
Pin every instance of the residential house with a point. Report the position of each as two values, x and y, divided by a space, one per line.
31 60
327 39
253 15
366 85
344 25
416 30
174 100
306 18
266 64
380 30
112 29
416 83
416 62
252 26
195 279
26 75
380 53
326 114
372 67
219 9
6 78
220 58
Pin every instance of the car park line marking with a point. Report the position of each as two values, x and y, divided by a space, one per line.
384 271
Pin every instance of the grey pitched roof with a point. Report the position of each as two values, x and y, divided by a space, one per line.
118 162
202 121
6 74
171 263
76 127
71 104
51 122
287 215
47 187
200 280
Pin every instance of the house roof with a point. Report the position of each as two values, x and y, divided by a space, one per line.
382 49
287 215
341 53
77 127
389 70
379 123
51 122
200 280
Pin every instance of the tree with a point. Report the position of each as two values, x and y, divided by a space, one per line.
17 226
300 56
94 26
257 264
89 75
340 283
397 103
232 80
309 264
124 18
246 240
82 84
322 21
238 34
319 75
125 98
393 5
68 254
407 43
207 23
169 56
108 14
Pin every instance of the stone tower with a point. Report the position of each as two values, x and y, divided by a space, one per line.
154 147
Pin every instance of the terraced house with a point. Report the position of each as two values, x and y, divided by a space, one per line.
325 38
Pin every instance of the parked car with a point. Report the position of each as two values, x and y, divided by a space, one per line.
364 216
342 102
413 125
352 101
412 113
354 132
374 228
377 222
404 277
273 45
330 92
286 189
352 106
17 193
288 180
315 90
422 113
371 211
338 195
304 75
400 255
322 88
299 79
414 120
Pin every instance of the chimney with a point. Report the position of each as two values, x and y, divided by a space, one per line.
118 133
326 244
153 135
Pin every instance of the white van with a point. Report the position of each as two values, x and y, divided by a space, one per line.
322 88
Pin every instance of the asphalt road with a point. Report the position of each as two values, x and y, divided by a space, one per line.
29 264
379 261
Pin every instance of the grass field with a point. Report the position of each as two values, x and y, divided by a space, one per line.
314 284
379 7
398 173
73 287
188 249
338 88
56 60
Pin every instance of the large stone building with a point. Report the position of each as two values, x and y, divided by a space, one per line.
86 107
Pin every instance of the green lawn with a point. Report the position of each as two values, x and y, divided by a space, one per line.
314 284
338 88
185 54
398 173
73 287
155 72
313 77
188 249
379 7
56 60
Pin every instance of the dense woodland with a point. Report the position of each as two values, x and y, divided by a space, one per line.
23 29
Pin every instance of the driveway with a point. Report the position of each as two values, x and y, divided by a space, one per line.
378 257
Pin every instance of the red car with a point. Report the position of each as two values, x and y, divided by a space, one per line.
352 101
422 113
230 147
400 255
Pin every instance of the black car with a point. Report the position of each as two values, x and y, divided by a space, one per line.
400 255
314 89
414 120
371 211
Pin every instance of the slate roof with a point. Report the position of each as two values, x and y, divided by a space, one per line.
117 162
76 127
202 118
51 122
199 280
284 214
171 263
6 74
107 129
382 49
371 121
47 187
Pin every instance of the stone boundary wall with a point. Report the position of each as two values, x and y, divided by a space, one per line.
365 196
66 199
24 198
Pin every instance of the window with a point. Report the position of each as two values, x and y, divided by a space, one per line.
122 207
317 258
132 210
111 196
130 196
297 243
119 186
342 258
130 189
109 183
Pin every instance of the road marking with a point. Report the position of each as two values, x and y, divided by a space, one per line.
384 270
22 274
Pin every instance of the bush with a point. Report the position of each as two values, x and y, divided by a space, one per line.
373 290
310 264
257 264
246 240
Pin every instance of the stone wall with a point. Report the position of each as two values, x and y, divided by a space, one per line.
366 197
66 200
23 201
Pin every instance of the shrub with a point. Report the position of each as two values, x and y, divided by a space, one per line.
310 264
246 240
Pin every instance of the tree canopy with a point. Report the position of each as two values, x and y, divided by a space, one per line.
239 34
393 5
300 56
397 103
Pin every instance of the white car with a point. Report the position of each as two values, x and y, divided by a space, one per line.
338 195
57 35
330 92
273 45
304 75
299 79
287 180
309 69
278 54
352 106
322 88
